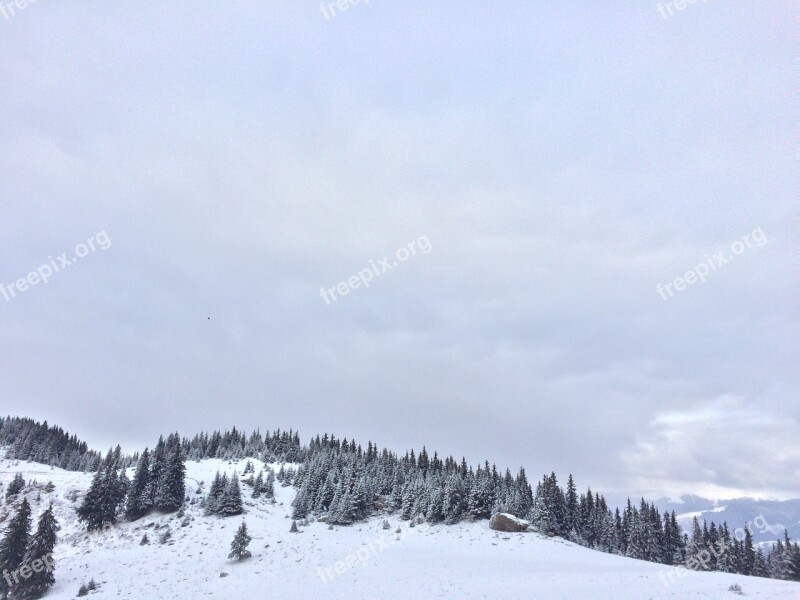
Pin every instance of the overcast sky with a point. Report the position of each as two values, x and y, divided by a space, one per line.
556 162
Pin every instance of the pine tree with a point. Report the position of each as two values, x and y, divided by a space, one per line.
258 484
14 544
40 549
760 568
99 507
540 515
479 501
571 505
214 499
795 570
240 542
749 556
455 499
232 499
138 502
269 484
16 486
698 543
157 466
171 482
725 558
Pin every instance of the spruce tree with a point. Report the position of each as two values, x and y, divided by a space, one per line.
232 499
269 484
760 568
258 484
138 502
99 507
240 542
749 556
157 466
214 498
14 545
571 505
90 511
479 501
16 486
171 482
454 501
40 549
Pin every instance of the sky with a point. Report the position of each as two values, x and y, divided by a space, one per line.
561 236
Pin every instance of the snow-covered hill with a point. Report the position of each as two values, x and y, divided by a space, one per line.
467 560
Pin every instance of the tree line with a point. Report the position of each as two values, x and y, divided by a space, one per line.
338 479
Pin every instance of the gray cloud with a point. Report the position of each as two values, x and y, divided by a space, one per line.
562 161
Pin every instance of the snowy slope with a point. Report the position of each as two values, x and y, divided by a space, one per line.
461 561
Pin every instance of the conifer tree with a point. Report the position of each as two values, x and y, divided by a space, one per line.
760 568
269 484
215 493
99 507
14 545
171 482
571 505
258 484
239 544
138 503
454 499
231 499
16 486
749 556
157 466
40 549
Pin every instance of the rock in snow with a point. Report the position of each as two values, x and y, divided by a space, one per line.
507 522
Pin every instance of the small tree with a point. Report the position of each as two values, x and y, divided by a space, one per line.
294 527
239 544
16 486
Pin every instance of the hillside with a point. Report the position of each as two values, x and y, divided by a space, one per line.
467 560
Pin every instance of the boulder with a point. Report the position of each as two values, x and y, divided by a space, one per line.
507 522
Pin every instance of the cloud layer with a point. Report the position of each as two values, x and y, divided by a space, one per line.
562 161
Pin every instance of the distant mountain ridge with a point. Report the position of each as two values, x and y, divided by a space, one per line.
770 517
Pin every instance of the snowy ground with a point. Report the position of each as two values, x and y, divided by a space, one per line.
364 561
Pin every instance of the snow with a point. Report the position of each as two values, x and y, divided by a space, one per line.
466 560
700 514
